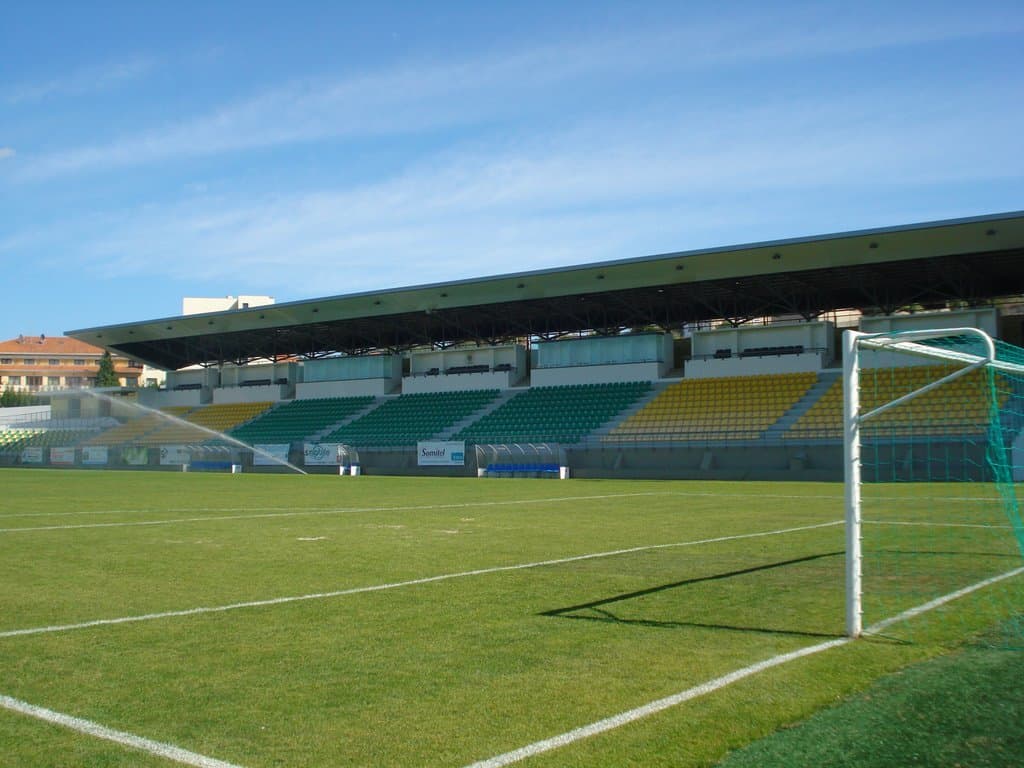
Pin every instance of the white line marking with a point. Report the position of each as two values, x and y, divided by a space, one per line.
322 510
145 510
680 494
397 584
925 607
927 524
629 716
158 748
337 511
932 499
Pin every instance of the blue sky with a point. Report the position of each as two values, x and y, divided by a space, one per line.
154 151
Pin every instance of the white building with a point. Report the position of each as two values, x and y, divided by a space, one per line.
199 306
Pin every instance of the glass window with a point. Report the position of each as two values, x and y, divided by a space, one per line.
79 362
29 361
14 381
34 381
6 360
54 361
53 381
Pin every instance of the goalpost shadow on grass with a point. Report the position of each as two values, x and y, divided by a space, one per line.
573 611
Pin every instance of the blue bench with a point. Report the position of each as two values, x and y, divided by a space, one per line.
511 470
210 466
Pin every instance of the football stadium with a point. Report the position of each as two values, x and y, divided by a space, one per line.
751 505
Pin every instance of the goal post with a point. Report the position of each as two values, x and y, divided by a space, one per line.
926 407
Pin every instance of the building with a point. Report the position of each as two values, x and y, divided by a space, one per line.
198 306
39 363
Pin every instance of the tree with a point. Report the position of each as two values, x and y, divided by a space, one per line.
12 399
105 376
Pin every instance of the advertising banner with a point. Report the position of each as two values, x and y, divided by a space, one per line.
436 453
135 455
174 454
278 451
62 456
32 455
94 455
322 454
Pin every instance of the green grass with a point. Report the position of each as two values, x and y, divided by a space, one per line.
958 710
440 673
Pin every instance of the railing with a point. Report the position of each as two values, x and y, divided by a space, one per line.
601 362
780 351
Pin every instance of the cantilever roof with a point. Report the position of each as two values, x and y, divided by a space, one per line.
972 260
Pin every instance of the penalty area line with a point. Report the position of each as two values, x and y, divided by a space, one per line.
651 708
90 728
398 584
927 524
632 715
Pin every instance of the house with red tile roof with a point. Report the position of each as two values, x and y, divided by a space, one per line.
41 363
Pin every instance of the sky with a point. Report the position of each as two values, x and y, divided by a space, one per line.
152 151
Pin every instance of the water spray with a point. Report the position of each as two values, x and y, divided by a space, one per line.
182 422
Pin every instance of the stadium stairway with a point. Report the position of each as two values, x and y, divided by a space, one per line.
657 387
371 406
778 430
404 420
503 398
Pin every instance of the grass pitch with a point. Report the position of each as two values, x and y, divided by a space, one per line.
963 709
285 620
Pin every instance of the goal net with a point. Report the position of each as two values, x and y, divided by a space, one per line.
934 457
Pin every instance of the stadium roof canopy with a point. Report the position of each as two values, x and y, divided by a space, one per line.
974 260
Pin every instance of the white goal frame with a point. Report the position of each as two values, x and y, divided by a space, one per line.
907 342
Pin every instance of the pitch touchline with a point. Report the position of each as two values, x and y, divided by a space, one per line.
632 715
160 749
397 584
143 511
337 511
682 494
939 525
334 510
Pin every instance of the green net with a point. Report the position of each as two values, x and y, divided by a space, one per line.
942 458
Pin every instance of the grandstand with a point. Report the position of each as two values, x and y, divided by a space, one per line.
299 419
757 419
135 429
407 419
717 363
823 420
564 414
18 442
732 408
203 424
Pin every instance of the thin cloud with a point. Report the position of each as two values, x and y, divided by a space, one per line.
7 152
78 83
580 197
422 96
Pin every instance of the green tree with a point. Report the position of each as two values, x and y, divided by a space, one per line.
12 399
105 376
